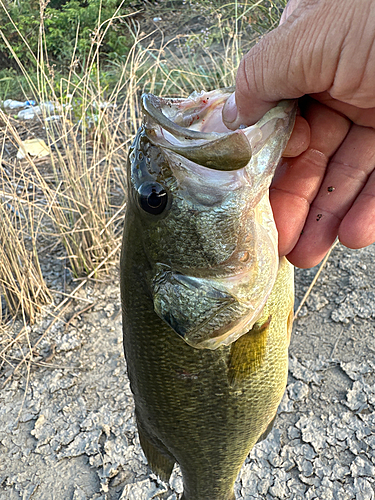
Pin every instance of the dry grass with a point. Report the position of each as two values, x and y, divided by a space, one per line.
75 196
21 280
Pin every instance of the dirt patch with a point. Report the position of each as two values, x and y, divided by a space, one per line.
68 430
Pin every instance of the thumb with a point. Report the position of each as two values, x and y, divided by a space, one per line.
299 57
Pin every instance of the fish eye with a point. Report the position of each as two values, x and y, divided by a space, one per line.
153 198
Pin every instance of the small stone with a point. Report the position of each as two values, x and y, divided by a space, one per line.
362 467
363 489
298 391
79 494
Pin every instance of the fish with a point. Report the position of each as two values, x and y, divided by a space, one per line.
207 303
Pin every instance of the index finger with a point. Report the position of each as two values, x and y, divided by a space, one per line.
298 180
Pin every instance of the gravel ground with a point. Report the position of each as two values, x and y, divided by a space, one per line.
69 433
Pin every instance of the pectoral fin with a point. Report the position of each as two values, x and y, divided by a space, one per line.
248 352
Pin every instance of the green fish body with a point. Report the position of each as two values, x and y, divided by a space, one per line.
207 305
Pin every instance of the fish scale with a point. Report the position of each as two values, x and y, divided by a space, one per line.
202 407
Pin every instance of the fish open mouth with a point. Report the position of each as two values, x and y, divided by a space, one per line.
212 149
208 311
194 128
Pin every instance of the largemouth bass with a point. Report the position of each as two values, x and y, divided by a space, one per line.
207 305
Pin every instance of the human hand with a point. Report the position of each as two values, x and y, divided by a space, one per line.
324 50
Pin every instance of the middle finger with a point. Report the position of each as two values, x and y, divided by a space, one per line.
346 175
298 180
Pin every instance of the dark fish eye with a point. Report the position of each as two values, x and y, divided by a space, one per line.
153 198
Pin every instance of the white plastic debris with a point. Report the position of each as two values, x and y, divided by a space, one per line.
12 104
30 113
103 105
53 118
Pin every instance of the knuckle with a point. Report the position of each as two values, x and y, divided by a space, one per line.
248 74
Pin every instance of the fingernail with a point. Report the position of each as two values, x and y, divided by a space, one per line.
230 109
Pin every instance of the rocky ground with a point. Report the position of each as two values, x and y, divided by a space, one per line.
67 431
